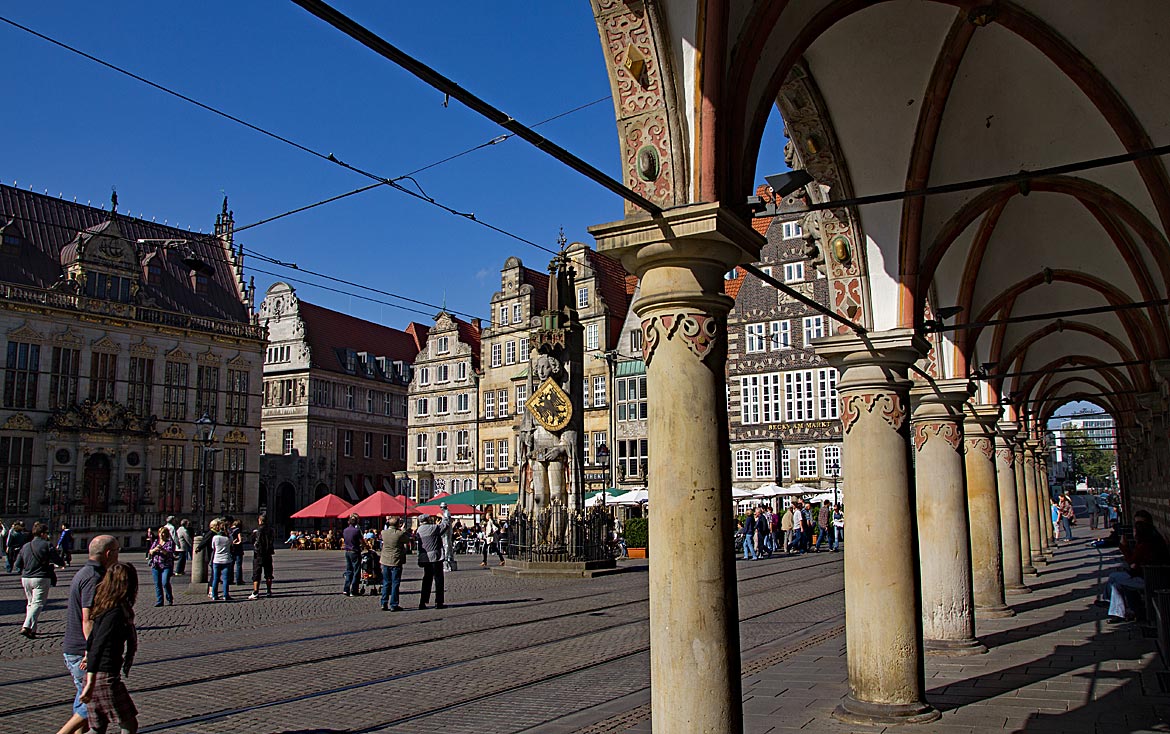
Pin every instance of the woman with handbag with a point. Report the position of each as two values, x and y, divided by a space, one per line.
35 563
162 565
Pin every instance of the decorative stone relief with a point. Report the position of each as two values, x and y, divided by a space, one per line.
178 355
209 358
946 430
697 330
174 432
25 333
68 338
983 446
1006 456
18 422
235 436
106 344
891 408
141 349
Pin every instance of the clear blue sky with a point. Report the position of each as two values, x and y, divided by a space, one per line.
76 128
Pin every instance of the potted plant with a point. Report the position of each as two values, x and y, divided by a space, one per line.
637 537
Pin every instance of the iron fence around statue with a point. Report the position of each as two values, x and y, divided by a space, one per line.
558 535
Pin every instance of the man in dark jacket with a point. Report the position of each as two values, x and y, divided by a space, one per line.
430 558
393 558
16 539
35 563
263 548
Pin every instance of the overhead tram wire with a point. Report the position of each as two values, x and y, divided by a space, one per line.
422 196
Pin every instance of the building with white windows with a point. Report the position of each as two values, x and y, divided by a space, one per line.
782 398
443 432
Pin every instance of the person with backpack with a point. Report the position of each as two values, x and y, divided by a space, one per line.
17 537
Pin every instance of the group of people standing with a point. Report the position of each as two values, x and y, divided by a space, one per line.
802 528
222 549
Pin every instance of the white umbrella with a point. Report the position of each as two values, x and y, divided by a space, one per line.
633 497
775 490
744 494
595 500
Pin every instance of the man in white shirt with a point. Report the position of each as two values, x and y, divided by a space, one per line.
182 536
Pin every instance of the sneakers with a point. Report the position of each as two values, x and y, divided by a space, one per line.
210 595
253 596
384 608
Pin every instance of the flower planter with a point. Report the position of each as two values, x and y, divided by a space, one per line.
635 552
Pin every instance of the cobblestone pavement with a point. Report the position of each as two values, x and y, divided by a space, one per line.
508 654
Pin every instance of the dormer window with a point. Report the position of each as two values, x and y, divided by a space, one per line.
108 287
199 282
10 244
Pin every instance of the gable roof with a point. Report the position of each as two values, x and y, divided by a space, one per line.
731 287
539 283
612 286
47 225
329 333
469 334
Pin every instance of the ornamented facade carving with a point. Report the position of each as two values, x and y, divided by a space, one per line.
892 410
982 445
946 430
697 330
18 422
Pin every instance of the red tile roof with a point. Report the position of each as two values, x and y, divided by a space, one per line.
419 333
330 333
731 287
761 224
50 225
469 334
539 283
611 284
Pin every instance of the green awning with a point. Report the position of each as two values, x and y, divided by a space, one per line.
631 368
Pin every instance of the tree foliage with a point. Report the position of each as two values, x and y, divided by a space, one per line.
1090 463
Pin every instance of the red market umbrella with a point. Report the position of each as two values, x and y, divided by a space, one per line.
379 504
328 506
436 511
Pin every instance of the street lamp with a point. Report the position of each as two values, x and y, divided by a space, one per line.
205 428
603 458
835 473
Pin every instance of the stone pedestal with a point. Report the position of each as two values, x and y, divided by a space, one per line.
948 610
1042 504
198 569
883 622
681 258
984 511
1027 489
1014 545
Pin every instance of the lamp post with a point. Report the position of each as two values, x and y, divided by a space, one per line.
205 431
53 497
603 458
835 473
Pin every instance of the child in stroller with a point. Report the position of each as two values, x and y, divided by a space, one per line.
371 582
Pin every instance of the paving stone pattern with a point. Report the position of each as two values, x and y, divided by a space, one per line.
508 654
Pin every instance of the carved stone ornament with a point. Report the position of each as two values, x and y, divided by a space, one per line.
235 436
18 422
25 333
946 430
550 406
891 408
174 432
983 446
697 330
106 415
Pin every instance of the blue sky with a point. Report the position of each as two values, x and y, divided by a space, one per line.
77 129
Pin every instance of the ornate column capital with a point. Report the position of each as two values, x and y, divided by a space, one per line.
873 371
938 411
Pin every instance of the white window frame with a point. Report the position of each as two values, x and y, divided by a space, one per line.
503 315
442 405
441 447
462 403
442 373
502 406
502 453
422 407
765 466
489 405
791 230
510 352
288 441
827 393
516 313
524 351
806 462
442 345
521 396
793 272
831 456
814 328
583 297
424 376
743 464
754 340
798 395
420 449
461 372
385 446
780 335
497 355
591 336
599 392
785 463
462 445
489 455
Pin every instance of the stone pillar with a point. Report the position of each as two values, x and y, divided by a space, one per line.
681 258
984 512
883 615
1014 544
1028 499
1043 500
948 610
1040 510
1045 490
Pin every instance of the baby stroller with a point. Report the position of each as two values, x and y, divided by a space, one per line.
371 582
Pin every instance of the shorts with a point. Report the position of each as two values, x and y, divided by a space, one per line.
73 662
261 563
110 699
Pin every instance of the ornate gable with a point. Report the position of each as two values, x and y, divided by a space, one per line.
106 344
25 333
142 349
209 358
18 422
235 436
238 362
173 432
178 355
68 338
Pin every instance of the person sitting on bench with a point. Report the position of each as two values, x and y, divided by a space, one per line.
1149 548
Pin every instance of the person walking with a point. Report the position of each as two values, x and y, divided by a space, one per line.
430 558
103 553
221 563
1054 514
763 533
65 544
392 559
236 536
838 527
162 565
17 537
786 528
796 542
182 547
1067 515
824 524
110 652
35 563
749 537
351 543
263 549
491 539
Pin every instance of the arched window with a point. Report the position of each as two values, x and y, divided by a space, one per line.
743 464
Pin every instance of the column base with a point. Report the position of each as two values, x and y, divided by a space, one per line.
852 711
1030 571
1017 589
954 648
1000 611
1039 561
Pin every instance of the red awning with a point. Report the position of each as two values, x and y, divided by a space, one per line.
379 504
328 506
436 511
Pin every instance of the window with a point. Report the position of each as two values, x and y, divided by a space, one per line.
461 403
524 349
785 463
798 396
263 442
791 230
368 445
103 375
489 455
497 355
402 448
287 392
807 462
502 453
463 445
287 437
582 297
502 403
206 387
461 371
237 398
521 397
441 447
814 328
510 353
63 378
170 479
636 340
754 341
422 407
591 336
489 404
442 345
16 473
631 454
503 315
369 401
349 397
832 460
424 376
759 398
598 390
323 394
764 465
827 392
781 334
631 398
743 464
516 313
140 386
387 405
347 443
442 406
110 287
598 439
175 391
420 448
443 373
585 391
793 272
234 463
385 446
